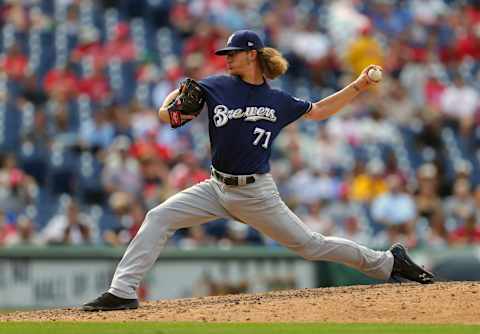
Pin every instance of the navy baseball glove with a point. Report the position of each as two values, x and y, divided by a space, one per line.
188 104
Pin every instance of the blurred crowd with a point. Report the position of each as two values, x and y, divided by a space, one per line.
83 156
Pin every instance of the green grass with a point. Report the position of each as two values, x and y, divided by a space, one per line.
204 328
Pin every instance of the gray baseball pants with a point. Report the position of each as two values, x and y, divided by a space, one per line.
258 205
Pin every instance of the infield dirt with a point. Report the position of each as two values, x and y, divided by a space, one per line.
440 303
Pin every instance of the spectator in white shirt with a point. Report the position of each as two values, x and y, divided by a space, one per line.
459 104
396 210
70 227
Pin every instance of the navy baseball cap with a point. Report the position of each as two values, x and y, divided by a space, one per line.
241 40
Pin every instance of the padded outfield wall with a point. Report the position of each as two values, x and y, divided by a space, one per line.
35 277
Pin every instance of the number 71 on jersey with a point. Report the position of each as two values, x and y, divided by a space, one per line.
260 133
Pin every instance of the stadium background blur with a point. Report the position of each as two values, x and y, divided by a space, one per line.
83 155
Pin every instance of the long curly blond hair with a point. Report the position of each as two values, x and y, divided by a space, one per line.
272 62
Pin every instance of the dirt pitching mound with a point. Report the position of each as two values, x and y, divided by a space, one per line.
440 303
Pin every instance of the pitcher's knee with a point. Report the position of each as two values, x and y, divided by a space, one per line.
153 214
159 216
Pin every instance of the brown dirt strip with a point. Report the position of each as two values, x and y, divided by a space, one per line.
440 303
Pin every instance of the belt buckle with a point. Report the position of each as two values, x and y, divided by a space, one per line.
231 181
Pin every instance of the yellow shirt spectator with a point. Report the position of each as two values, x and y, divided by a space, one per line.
367 183
365 50
365 187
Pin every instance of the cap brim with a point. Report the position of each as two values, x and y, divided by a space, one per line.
224 51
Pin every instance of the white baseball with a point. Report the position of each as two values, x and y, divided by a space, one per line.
375 74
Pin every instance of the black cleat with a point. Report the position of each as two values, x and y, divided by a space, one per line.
404 267
109 302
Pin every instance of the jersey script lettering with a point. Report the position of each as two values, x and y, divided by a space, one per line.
252 114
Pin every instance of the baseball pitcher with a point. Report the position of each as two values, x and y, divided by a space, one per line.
245 116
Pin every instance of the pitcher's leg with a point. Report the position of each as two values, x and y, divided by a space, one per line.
376 264
192 206
283 225
273 218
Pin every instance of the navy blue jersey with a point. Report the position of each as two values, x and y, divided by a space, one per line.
244 120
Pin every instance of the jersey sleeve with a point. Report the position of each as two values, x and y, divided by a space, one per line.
295 108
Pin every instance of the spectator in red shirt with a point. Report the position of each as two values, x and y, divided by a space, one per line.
121 46
433 91
204 43
61 82
15 63
472 13
468 45
149 147
181 19
95 85
89 47
468 233
187 172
